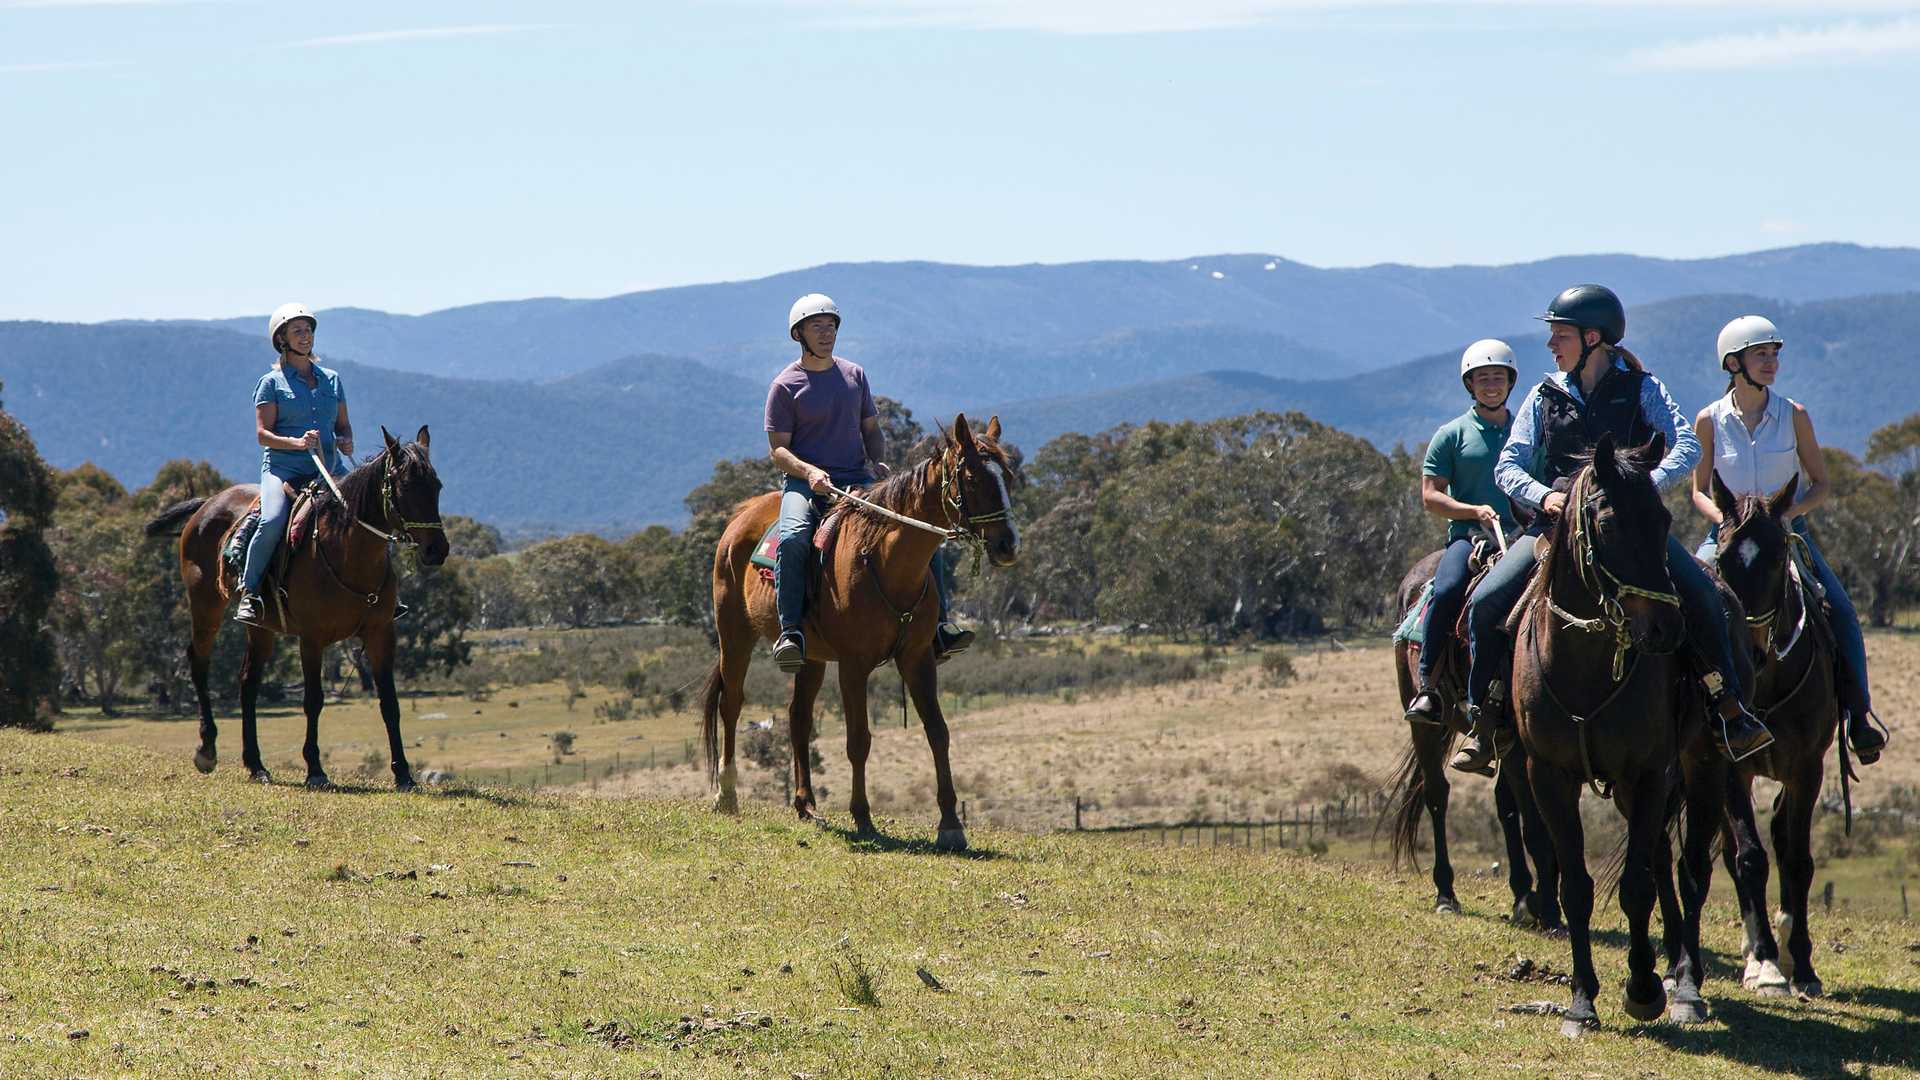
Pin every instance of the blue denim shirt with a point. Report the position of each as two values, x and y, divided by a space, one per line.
298 411
1519 463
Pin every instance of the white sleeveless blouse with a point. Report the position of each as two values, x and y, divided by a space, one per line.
1757 462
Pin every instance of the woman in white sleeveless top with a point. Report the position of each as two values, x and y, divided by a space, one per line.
1758 440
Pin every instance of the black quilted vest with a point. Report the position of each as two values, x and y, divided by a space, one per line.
1570 427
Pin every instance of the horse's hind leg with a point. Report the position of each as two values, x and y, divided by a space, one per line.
1535 840
806 687
1430 745
199 660
735 658
259 652
313 697
1506 809
853 702
1746 860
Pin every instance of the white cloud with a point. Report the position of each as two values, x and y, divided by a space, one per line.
1157 16
429 33
1788 45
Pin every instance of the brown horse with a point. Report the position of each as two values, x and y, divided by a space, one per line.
338 584
1600 698
1794 694
875 603
1421 787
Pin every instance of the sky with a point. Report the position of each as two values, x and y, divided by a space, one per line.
214 158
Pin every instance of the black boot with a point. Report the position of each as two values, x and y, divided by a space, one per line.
1742 735
1865 735
1425 709
948 639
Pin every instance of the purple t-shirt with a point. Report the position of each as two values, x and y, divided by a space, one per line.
822 410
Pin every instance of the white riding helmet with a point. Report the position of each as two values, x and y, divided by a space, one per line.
283 315
1488 352
806 308
1744 333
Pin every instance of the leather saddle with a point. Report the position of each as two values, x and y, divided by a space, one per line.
299 528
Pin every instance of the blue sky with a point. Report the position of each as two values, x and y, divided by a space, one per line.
215 158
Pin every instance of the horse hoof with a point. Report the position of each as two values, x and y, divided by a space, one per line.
1785 964
1687 1012
405 784
726 802
1576 1028
316 781
951 840
1446 905
1523 915
1764 977
260 776
1645 1011
1809 989
205 759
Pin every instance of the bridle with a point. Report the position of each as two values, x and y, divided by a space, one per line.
960 526
1601 582
1789 582
402 535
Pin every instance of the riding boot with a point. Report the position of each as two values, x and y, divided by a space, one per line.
948 639
1477 754
1742 735
1866 735
790 652
1425 708
249 610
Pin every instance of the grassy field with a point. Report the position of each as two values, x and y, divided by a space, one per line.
161 923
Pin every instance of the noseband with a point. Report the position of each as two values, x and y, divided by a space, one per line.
963 526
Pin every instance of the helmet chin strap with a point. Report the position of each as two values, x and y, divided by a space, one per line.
1585 351
1740 372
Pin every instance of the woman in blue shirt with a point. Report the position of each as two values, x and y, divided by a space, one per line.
299 409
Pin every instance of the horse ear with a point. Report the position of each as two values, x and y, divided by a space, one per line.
1653 453
1724 498
963 435
423 438
388 436
993 427
1782 501
1605 465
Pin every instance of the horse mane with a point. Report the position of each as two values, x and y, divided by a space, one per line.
909 484
360 489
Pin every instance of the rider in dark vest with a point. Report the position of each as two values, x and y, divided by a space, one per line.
1600 388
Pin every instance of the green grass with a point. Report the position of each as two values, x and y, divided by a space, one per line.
192 924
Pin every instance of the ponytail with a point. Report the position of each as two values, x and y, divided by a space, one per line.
1626 355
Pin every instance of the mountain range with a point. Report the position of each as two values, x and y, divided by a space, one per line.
556 415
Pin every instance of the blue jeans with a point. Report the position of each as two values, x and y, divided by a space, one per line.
1846 621
1492 651
799 516
1449 594
274 507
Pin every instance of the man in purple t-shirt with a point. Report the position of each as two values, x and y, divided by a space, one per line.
822 431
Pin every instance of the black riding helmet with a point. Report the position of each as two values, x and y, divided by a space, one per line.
1589 307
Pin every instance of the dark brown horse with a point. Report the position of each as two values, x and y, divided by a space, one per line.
1600 699
339 584
875 603
1421 788
1794 694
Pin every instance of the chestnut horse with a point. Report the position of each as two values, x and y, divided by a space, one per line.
1421 784
1794 693
875 603
339 584
1600 698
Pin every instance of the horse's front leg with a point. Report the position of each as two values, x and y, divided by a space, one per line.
1645 805
311 654
923 686
1746 860
379 645
1793 843
1707 778
1506 809
259 652
853 701
1557 793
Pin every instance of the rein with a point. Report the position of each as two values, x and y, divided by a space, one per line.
963 526
400 535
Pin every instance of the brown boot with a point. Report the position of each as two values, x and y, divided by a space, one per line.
1483 746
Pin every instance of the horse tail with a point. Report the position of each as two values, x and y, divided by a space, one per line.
1408 790
169 520
710 722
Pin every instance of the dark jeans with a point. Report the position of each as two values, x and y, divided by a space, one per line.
1492 650
800 513
1449 595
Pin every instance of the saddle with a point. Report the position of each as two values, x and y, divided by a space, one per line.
240 535
766 554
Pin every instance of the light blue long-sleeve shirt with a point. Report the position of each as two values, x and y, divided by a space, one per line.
1518 468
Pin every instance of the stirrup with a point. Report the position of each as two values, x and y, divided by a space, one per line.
1416 715
249 613
1726 730
948 640
790 652
1874 726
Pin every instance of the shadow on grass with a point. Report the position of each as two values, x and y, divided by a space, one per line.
449 793
879 842
1796 1038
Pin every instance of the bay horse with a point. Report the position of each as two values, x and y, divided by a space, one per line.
1421 787
1601 698
339 584
874 604
1795 696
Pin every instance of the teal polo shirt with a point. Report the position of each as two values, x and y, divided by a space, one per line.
1463 453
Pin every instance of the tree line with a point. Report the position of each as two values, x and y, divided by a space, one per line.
1266 524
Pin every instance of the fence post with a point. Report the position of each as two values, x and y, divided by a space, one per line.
1826 896
1903 900
1076 813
